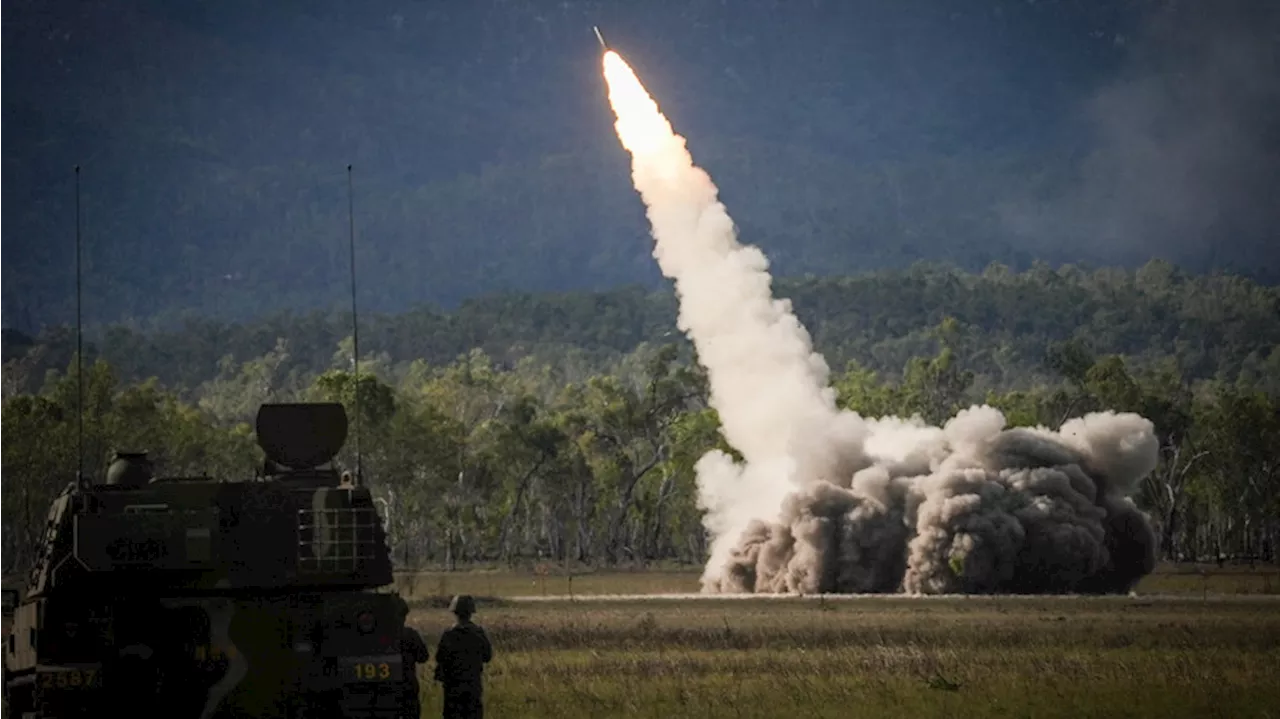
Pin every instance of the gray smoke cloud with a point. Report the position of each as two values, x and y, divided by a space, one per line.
1181 150
983 509
826 500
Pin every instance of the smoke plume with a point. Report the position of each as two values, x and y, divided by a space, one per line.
826 500
1180 146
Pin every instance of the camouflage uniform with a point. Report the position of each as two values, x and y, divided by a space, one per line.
463 651
413 651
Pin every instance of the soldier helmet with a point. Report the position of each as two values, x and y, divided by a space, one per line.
463 605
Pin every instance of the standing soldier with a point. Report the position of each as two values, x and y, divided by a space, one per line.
463 651
413 651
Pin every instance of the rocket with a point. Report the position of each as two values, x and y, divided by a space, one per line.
603 45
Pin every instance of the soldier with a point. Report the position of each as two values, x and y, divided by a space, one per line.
463 651
413 651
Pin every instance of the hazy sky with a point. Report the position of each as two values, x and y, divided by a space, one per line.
206 128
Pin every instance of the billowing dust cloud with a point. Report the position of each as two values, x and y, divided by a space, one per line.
828 501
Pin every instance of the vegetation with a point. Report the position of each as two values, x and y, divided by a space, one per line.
1215 326
891 657
566 433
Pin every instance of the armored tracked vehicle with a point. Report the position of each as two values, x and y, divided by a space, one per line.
197 597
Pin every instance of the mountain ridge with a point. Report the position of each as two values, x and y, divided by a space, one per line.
844 137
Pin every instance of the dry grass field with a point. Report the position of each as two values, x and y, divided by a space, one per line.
551 580
890 657
1190 644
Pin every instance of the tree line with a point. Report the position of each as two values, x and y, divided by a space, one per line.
1217 326
479 461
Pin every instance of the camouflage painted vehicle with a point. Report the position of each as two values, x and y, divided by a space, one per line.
196 597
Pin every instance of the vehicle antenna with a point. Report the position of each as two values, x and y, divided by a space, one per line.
79 352
355 325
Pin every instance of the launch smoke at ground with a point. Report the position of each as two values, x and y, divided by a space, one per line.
828 501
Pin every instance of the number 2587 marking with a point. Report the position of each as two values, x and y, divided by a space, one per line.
369 670
68 680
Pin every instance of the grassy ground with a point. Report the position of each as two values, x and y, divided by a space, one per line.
1208 579
1194 642
498 583
1167 579
1208 653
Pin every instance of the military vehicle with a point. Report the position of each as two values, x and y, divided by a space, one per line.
200 597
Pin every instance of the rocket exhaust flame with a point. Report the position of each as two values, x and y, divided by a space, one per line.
829 501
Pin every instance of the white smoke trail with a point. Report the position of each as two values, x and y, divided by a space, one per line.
766 383
826 500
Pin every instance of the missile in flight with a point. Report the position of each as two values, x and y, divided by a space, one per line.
603 44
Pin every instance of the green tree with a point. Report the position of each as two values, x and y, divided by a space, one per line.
624 433
1243 429
936 388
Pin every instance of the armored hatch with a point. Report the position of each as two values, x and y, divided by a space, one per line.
300 437
130 469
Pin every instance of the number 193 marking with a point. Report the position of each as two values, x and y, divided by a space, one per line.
369 670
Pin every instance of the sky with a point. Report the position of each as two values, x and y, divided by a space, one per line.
213 137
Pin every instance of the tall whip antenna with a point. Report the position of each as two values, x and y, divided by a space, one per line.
79 352
355 325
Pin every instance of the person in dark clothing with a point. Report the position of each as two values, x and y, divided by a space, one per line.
463 651
413 651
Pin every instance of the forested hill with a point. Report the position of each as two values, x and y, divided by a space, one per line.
1215 326
845 135
577 437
